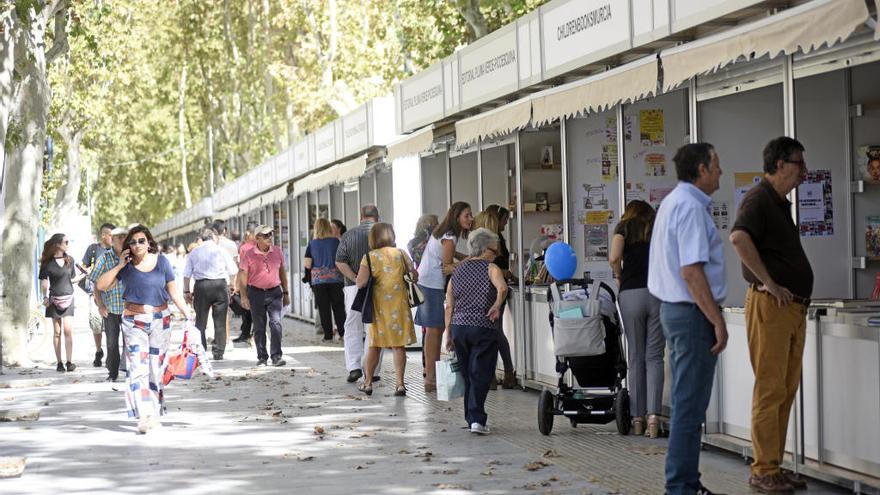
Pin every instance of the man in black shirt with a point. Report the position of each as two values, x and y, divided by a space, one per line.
93 253
767 240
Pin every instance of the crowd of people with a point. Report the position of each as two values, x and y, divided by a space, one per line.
668 265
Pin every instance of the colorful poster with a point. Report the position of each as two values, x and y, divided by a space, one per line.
596 242
872 236
743 182
655 164
815 206
652 130
869 163
598 217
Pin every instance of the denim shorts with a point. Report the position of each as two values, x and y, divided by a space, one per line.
431 313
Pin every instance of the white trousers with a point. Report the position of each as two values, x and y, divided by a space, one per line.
356 335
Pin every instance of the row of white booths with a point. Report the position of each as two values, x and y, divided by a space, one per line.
533 117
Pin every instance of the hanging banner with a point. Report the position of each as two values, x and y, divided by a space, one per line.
815 207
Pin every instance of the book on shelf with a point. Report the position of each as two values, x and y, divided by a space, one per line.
872 235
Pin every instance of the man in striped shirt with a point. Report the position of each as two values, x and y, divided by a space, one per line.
353 246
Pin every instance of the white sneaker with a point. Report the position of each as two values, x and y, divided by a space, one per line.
479 429
144 424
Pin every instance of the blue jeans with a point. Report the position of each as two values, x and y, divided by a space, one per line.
476 349
689 336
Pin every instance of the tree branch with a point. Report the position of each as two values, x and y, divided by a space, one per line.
60 45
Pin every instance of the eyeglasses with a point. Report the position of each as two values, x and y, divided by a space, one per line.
139 240
799 163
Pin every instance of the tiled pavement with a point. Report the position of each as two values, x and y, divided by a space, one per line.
302 428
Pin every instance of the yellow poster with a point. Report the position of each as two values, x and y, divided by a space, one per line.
655 164
743 181
597 217
652 130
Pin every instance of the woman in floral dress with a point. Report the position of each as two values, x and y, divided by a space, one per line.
392 319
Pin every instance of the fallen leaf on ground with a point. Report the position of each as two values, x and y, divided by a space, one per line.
536 465
319 430
551 453
452 486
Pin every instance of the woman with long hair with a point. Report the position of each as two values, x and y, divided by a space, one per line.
424 228
646 344
326 280
392 325
437 264
148 278
57 278
494 218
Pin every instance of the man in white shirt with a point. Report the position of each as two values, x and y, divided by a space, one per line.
686 272
212 268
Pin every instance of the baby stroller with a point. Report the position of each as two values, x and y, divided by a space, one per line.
587 341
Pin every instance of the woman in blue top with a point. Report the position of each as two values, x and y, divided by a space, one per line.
326 279
146 321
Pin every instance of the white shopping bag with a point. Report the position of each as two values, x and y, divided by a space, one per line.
450 382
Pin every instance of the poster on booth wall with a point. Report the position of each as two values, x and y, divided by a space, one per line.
636 191
594 197
609 162
596 234
652 130
657 193
655 164
815 207
743 182
720 215
869 163
872 235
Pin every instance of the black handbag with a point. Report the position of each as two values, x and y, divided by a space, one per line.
363 300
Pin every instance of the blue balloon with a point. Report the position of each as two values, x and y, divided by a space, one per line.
561 260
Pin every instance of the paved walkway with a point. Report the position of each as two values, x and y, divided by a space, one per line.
303 428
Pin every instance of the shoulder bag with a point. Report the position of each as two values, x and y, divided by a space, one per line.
363 300
413 291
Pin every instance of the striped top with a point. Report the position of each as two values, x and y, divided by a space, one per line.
473 294
355 243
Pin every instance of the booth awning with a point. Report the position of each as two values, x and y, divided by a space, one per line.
806 27
596 93
413 144
338 173
496 122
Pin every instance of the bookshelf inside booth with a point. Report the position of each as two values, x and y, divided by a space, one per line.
865 188
541 158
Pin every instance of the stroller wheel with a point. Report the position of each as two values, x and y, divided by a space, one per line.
545 412
621 411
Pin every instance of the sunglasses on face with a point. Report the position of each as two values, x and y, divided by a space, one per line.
140 240
64 242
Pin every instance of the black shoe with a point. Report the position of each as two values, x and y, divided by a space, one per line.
99 355
218 357
241 338
262 362
70 366
705 491
111 379
376 378
60 366
354 376
278 362
327 339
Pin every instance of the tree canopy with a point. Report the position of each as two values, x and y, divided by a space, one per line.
145 81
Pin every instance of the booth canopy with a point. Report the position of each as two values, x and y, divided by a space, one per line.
333 175
632 81
417 142
805 27
497 122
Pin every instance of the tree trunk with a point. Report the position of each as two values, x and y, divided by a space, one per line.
66 201
181 122
470 10
21 214
7 67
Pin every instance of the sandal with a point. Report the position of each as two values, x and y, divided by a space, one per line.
367 389
638 426
400 391
653 430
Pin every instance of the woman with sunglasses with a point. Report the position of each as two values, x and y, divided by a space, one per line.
57 278
149 283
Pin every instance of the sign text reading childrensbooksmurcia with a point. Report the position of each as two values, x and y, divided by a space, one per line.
584 22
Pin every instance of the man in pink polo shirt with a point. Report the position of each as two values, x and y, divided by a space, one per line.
246 323
262 269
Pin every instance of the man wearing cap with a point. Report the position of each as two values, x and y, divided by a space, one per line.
110 303
248 244
93 252
212 268
265 292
